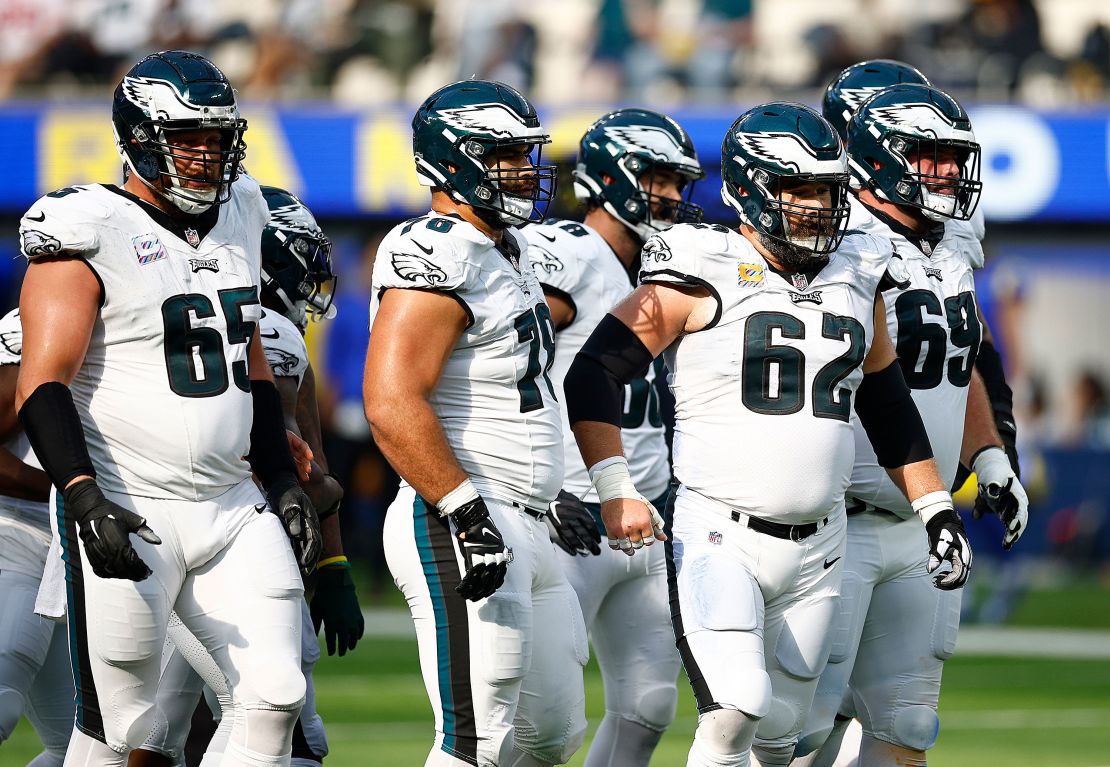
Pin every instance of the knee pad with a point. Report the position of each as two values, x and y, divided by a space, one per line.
280 690
555 748
915 727
264 731
11 708
774 755
726 731
654 707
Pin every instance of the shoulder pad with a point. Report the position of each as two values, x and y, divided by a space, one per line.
679 254
426 255
283 345
248 190
552 253
968 240
62 222
11 338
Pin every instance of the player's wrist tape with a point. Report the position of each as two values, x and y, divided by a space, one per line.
612 357
611 479
340 560
53 427
931 504
988 458
889 416
269 456
460 496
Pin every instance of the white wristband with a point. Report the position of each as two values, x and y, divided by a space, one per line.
463 494
931 504
612 480
991 457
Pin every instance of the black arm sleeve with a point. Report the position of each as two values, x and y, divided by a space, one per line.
53 427
269 456
612 356
989 364
890 417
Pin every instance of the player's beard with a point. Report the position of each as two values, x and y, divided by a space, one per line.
792 258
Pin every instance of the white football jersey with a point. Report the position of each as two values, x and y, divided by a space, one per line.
934 324
763 394
574 260
495 399
975 227
164 390
32 512
284 346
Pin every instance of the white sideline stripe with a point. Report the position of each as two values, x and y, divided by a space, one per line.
1093 644
995 641
997 719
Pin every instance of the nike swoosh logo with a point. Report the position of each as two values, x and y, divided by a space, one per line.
42 217
275 334
423 248
549 239
259 507
829 564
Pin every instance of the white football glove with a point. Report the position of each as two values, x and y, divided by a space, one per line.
1000 492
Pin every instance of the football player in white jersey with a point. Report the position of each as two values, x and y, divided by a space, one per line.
460 402
635 171
35 677
916 163
297 285
772 334
142 386
844 95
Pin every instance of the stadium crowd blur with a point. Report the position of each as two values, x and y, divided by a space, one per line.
366 53
654 51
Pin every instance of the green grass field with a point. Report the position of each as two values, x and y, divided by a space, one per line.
1019 712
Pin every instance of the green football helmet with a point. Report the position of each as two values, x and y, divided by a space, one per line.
296 260
459 126
860 82
914 120
621 150
176 91
772 148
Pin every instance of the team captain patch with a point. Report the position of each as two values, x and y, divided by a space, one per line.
749 275
148 248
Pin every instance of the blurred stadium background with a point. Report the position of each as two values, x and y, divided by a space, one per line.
329 87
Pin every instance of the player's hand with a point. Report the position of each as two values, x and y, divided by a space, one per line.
483 550
631 524
571 527
105 529
335 605
1001 493
302 455
292 506
948 543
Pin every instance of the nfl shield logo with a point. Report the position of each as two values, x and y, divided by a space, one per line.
715 538
801 282
192 237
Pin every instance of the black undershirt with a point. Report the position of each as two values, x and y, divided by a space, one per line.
202 224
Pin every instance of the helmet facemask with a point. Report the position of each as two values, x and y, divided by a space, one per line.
647 212
938 197
509 194
313 294
800 236
152 154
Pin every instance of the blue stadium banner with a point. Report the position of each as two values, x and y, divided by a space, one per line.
1037 165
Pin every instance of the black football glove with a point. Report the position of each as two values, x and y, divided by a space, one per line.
483 550
948 543
292 506
105 528
571 527
335 605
